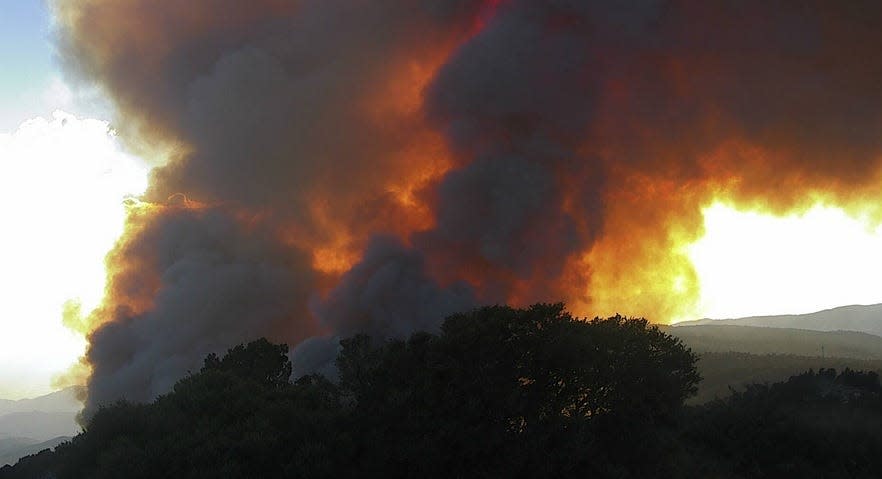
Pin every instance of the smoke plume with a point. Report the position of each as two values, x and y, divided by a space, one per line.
372 166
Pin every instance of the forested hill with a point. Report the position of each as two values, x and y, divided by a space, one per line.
862 318
721 338
723 372
736 356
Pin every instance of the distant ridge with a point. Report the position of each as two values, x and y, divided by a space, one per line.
38 425
65 400
740 351
28 426
722 338
11 449
860 318
722 371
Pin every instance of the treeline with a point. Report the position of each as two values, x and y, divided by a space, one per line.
720 372
816 424
498 392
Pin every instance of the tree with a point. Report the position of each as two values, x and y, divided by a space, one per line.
820 424
259 361
499 392
506 392
238 417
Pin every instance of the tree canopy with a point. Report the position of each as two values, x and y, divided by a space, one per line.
542 393
497 392
815 424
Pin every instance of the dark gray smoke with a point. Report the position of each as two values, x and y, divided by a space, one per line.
386 295
195 282
373 166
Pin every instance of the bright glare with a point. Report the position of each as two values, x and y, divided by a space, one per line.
62 186
751 264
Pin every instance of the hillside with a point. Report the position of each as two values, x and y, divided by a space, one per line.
65 400
722 371
13 448
721 338
733 355
862 318
38 425
30 425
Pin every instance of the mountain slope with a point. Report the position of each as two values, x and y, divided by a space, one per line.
11 449
28 426
768 340
720 371
66 400
38 425
862 318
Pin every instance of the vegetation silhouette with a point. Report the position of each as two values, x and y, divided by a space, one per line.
497 392
721 372
504 392
816 424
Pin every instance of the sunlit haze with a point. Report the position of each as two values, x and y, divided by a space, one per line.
62 185
754 264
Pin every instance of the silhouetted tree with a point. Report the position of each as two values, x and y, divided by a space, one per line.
238 417
499 392
812 425
517 392
259 361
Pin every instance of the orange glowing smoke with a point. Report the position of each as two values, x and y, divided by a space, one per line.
421 159
372 165
659 169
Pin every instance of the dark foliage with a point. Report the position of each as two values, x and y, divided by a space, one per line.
238 417
722 371
500 392
820 424
503 392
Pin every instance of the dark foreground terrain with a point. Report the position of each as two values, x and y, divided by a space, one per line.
498 392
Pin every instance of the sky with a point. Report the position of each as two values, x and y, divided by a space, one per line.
26 55
65 177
